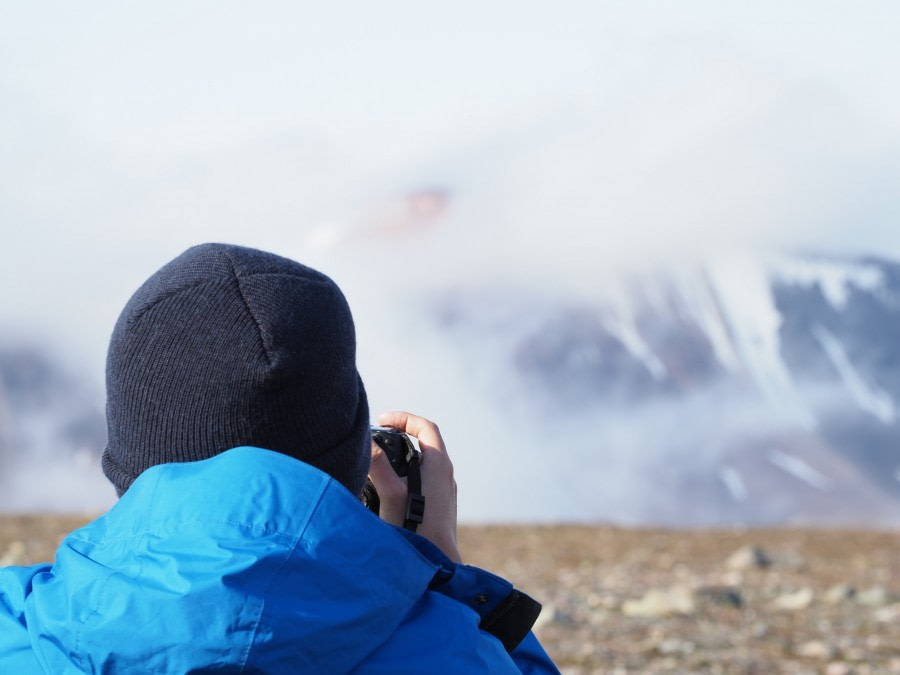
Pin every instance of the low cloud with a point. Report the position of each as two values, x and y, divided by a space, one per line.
671 139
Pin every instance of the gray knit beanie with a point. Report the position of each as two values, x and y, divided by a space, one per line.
228 346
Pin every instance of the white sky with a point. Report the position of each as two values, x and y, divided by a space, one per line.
571 137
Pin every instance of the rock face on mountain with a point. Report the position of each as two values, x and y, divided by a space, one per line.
745 391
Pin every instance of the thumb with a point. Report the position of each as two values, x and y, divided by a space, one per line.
391 488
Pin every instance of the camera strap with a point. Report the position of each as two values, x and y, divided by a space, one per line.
415 500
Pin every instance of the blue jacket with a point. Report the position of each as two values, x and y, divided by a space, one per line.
250 562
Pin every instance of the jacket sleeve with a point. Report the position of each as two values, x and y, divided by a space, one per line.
440 636
530 657
503 615
16 653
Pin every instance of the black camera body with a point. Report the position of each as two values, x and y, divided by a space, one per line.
404 457
397 447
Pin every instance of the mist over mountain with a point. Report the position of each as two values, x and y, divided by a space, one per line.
52 431
743 391
748 390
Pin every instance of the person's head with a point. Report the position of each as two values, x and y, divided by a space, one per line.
227 346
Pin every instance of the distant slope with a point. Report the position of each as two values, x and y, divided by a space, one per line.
745 390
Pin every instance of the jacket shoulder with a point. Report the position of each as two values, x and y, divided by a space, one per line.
16 652
439 635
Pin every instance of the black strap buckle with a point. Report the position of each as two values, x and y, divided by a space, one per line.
415 511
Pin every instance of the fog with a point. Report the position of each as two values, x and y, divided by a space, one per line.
411 151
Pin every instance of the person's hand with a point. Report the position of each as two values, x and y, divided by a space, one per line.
438 485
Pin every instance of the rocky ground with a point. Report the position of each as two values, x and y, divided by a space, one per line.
645 601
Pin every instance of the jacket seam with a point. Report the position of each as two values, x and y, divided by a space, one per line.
240 290
290 554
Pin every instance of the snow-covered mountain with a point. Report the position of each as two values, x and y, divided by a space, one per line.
740 391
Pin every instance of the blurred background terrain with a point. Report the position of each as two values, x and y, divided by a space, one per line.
639 260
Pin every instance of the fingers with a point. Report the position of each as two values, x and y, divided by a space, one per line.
431 443
382 473
391 488
424 430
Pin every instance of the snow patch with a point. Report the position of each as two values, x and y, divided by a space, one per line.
621 325
799 469
869 397
835 279
748 305
627 334
701 302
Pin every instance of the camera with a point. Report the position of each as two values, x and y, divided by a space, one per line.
404 458
397 447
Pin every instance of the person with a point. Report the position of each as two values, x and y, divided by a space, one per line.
239 445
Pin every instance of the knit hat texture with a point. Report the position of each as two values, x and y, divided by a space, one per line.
227 346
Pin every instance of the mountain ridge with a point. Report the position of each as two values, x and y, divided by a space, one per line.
786 368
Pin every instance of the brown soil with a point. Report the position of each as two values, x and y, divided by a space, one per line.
645 600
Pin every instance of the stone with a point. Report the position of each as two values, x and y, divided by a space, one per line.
815 649
889 614
723 596
748 557
732 578
661 602
675 646
876 596
799 599
839 593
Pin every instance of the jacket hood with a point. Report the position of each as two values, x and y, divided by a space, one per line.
202 564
